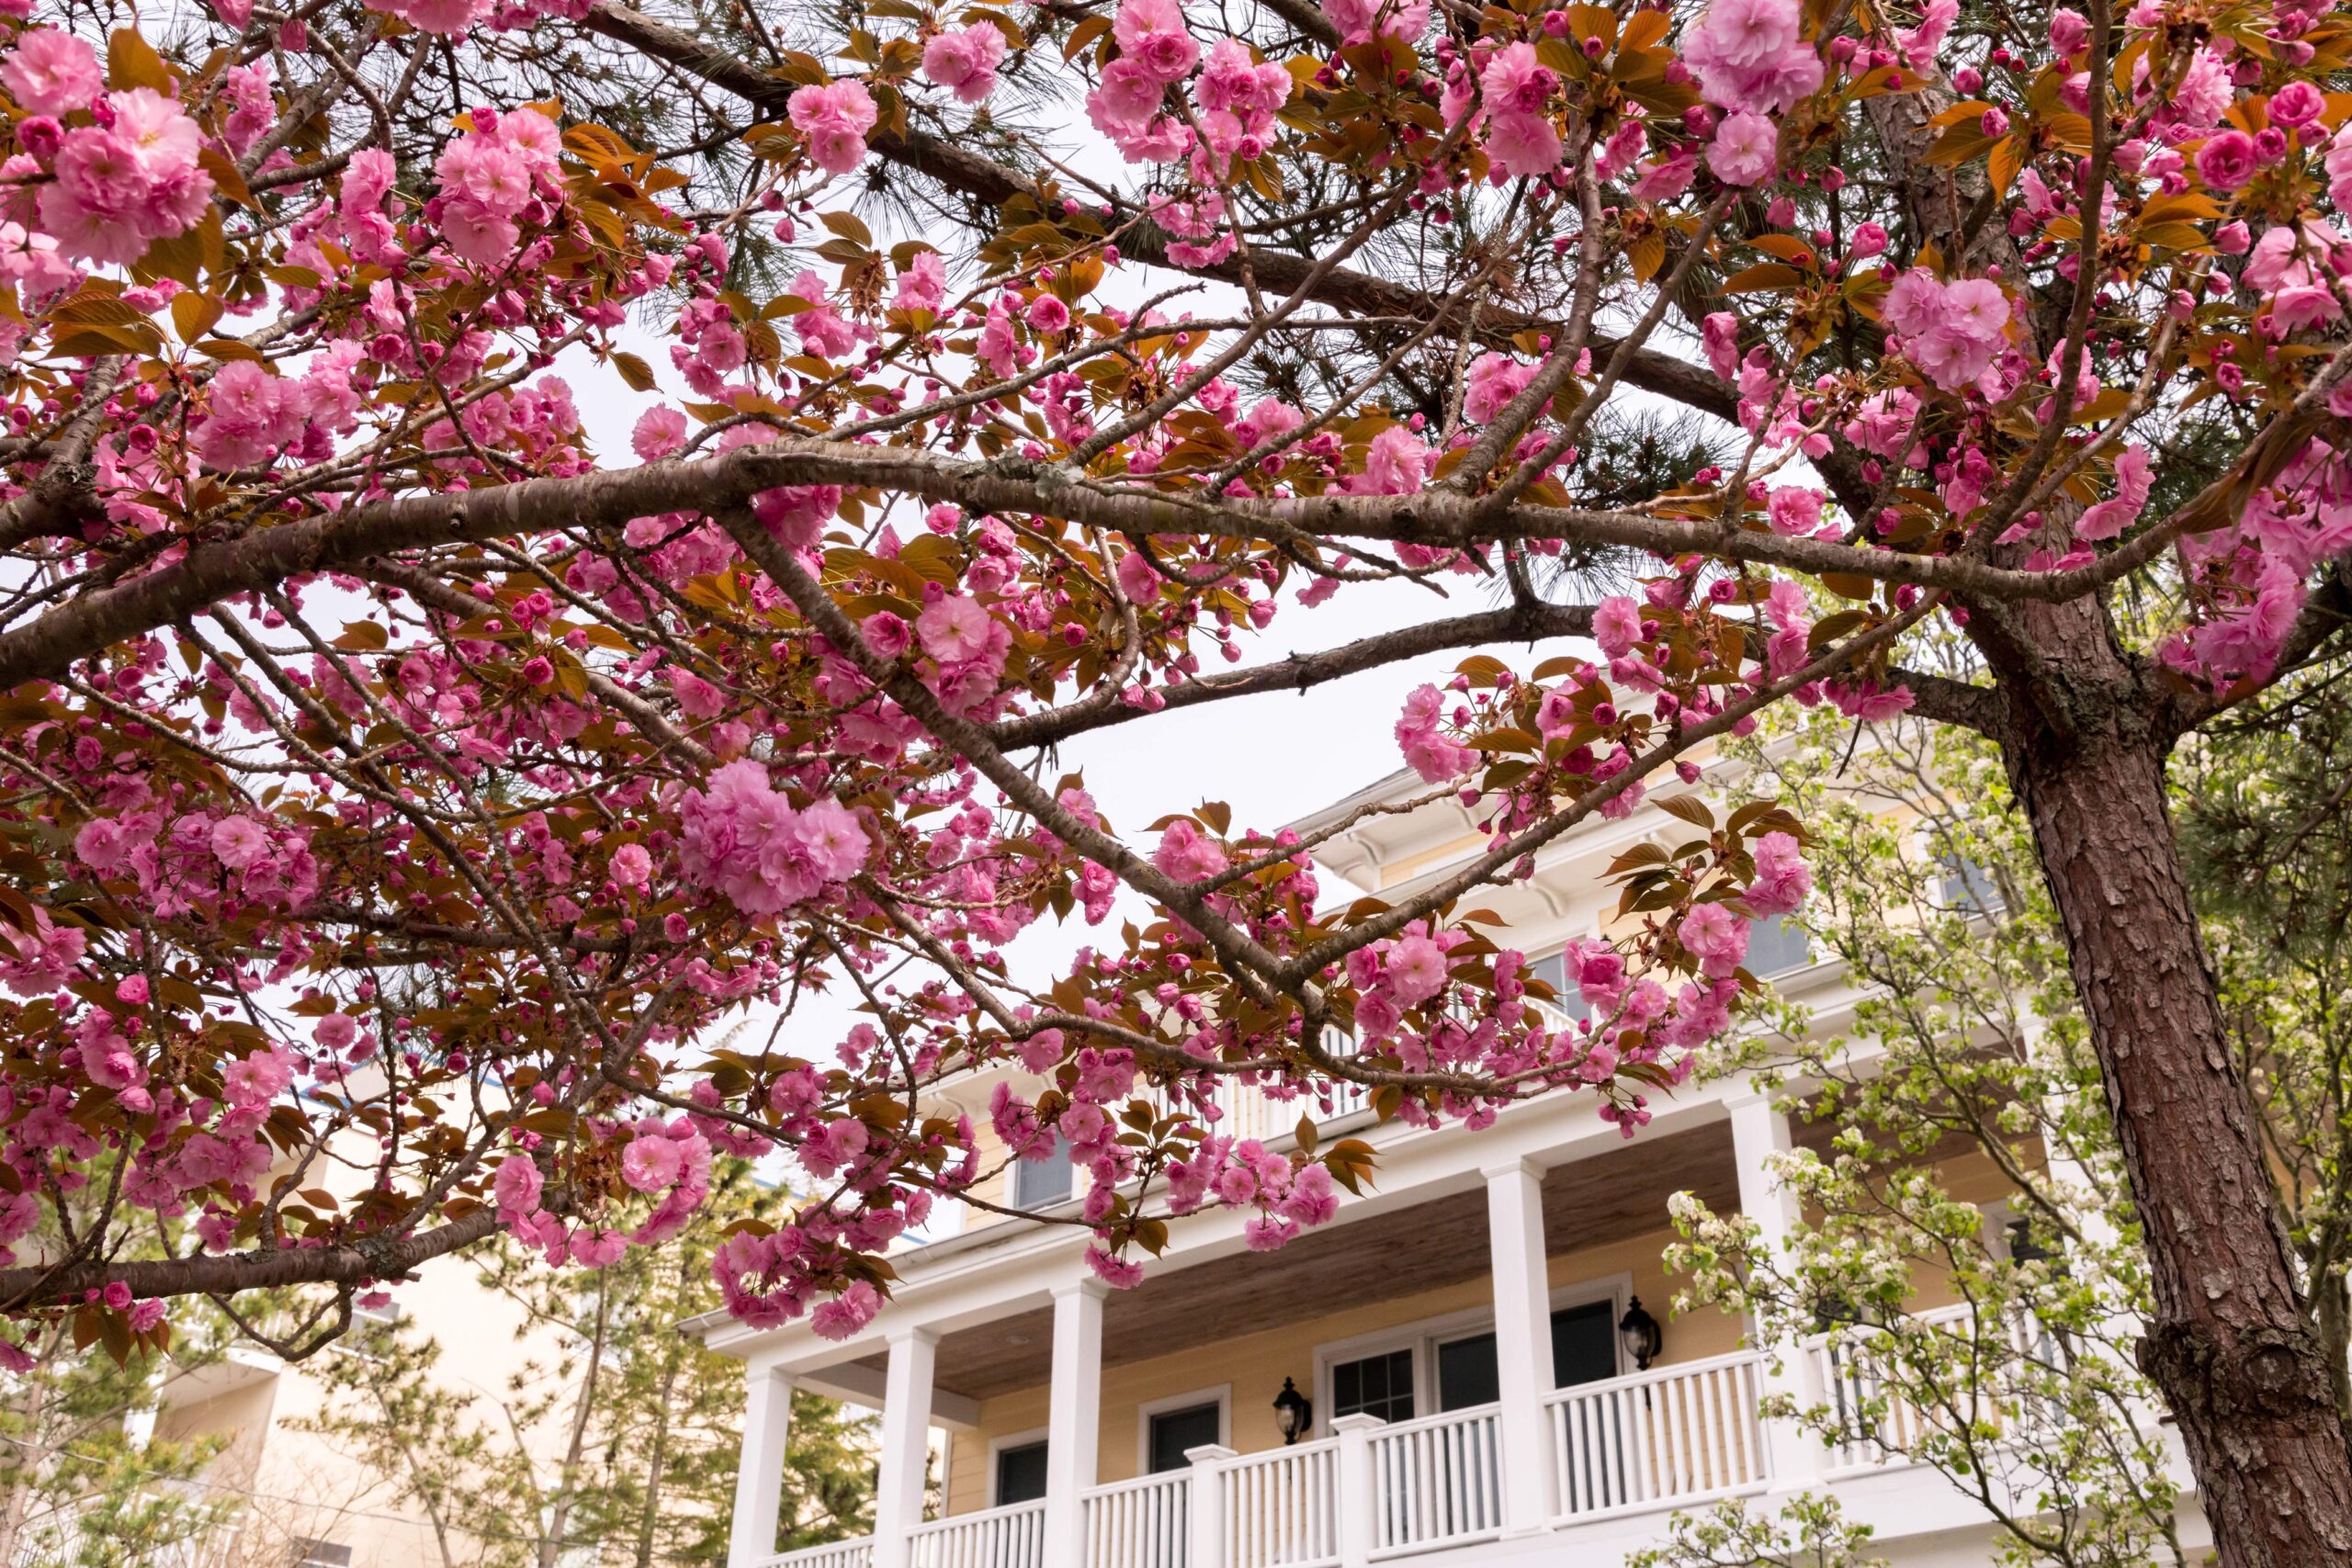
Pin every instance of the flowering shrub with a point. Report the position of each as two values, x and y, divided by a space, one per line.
389 763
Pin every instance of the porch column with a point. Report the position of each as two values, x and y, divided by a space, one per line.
1522 1342
906 1443
1757 1131
1206 1531
1073 1419
1357 1501
759 1474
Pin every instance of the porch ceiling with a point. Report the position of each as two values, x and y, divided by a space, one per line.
1380 1257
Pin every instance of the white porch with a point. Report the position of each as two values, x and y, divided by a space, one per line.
1537 1460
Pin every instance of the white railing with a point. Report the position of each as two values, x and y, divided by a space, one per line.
1247 1111
1010 1537
1875 1425
1436 1481
1280 1508
1140 1524
854 1553
1666 1437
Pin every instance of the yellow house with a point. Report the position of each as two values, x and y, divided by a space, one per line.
1472 1364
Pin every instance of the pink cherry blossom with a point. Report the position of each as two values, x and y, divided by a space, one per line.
1781 879
1153 34
1715 936
1617 626
1794 509
50 71
1415 970
1186 853
1745 149
651 1162
835 118
964 61
2108 518
1427 751
2226 161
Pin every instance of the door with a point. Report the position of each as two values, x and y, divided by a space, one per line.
1466 1373
1584 1343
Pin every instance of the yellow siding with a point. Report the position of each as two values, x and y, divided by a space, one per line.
1254 1365
1413 865
1969 1178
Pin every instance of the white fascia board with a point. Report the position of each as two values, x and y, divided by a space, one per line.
946 1287
1000 1269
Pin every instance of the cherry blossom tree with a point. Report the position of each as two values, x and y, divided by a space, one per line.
407 797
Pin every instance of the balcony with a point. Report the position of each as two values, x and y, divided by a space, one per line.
1375 1492
1467 1282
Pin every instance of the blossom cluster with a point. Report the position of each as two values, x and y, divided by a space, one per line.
602 776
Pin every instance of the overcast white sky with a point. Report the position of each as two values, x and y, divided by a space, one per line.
1272 758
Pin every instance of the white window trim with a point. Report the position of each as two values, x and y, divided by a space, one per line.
1419 1337
1221 1395
1423 1336
1013 1177
1994 1221
997 1446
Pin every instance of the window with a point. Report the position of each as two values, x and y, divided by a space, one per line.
1553 970
1966 887
1776 946
1170 1434
1466 1373
1020 1474
1379 1385
1041 1183
2023 1248
1454 1362
308 1553
1584 1342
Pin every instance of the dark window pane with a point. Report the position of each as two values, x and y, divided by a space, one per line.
1020 1474
1038 1184
1376 1385
1584 1343
1173 1431
1467 1374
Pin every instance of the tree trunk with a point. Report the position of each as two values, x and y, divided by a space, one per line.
2336 1339
2230 1344
658 1460
552 1543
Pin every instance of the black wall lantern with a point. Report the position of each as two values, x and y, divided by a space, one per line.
1293 1412
1642 1337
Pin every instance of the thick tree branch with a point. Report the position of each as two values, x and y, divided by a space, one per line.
352 1263
1303 671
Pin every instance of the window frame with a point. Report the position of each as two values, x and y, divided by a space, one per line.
1220 1395
1034 1437
1567 999
1020 1167
1424 1336
1418 1338
1782 923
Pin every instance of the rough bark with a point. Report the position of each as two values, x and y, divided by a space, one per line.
354 1263
2230 1344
